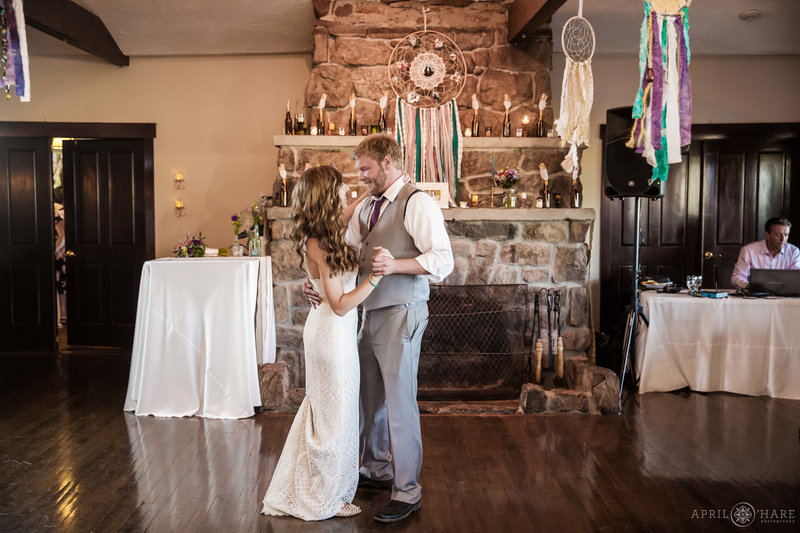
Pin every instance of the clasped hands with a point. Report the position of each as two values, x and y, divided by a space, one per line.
383 264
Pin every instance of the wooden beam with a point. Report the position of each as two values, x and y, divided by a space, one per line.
69 22
526 16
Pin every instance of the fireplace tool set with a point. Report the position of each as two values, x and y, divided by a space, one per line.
549 335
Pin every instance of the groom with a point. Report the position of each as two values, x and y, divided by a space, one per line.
411 227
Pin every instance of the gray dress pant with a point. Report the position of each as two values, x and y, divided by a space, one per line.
390 439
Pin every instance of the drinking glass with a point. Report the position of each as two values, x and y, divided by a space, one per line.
694 282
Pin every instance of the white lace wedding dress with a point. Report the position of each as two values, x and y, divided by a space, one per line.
317 474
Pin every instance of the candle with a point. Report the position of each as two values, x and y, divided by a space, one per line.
467 132
519 132
353 195
492 167
526 120
341 130
474 200
313 130
462 204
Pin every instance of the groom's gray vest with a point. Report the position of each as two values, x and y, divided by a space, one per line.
390 233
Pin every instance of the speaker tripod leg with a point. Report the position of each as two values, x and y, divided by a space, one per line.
630 327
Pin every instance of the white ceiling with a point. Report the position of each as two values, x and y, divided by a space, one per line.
214 27
714 26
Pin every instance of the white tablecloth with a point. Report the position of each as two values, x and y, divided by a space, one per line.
746 346
202 326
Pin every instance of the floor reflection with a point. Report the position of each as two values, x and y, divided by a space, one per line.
189 465
722 446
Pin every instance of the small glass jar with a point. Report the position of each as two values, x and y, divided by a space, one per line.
510 198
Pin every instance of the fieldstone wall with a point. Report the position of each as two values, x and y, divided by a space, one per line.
542 248
353 41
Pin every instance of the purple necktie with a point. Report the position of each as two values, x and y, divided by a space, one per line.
376 210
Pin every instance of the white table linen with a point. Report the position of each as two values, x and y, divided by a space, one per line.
195 345
745 346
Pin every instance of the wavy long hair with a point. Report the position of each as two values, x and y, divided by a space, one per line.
317 213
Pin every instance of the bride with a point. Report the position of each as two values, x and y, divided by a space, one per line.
317 473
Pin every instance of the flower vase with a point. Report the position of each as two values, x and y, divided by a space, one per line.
254 244
237 250
510 198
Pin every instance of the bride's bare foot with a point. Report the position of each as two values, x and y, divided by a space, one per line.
348 509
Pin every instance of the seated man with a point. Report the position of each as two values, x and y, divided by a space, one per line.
774 252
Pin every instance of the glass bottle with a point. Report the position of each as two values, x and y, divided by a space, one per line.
544 196
476 125
577 192
254 244
300 125
283 194
382 121
321 123
288 125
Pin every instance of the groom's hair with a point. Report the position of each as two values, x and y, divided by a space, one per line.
377 147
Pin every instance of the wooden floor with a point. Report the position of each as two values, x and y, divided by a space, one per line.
71 460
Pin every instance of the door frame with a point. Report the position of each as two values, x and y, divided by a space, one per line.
100 130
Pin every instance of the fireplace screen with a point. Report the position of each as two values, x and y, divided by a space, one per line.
474 346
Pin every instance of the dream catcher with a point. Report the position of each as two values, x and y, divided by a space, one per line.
662 110
427 72
577 88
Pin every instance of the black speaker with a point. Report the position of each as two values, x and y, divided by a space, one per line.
625 173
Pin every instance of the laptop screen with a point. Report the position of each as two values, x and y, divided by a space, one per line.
780 282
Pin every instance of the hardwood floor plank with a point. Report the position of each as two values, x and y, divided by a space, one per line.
71 460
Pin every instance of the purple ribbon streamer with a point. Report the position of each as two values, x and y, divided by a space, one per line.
657 91
685 86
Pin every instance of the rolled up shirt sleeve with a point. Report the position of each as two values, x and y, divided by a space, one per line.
741 270
425 223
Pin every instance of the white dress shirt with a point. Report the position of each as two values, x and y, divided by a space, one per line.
424 222
757 255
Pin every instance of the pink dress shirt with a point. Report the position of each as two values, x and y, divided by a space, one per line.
756 255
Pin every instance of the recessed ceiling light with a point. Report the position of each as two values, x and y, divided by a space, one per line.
750 14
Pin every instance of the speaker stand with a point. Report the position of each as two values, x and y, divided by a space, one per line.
635 312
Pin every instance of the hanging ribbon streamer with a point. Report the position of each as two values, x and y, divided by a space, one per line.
431 142
662 110
14 54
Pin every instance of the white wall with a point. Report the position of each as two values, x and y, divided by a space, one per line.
725 89
215 118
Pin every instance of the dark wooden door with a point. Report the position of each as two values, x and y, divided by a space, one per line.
27 275
747 181
104 196
670 236
734 177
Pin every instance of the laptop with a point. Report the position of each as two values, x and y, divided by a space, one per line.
778 282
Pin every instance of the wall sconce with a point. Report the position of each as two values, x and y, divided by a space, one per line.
178 180
180 209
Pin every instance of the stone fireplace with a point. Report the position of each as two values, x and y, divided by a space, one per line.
523 247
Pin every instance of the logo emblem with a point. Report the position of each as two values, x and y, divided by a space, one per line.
743 514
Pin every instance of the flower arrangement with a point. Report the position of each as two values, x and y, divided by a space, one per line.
236 221
506 178
192 246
